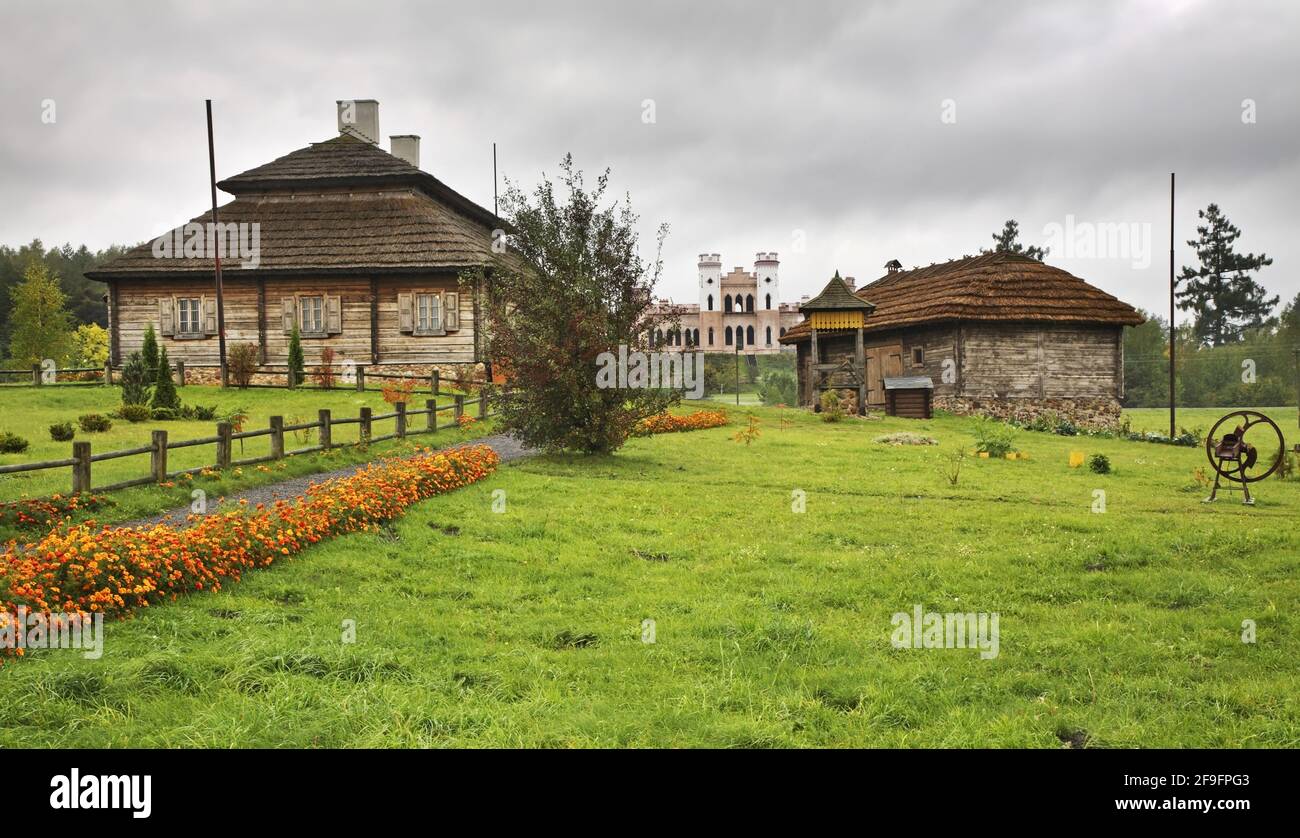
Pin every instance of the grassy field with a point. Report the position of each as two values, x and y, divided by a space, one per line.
30 411
525 627
1157 418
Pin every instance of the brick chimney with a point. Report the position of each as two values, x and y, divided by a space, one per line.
359 118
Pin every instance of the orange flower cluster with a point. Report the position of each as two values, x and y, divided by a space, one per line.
82 569
44 512
666 423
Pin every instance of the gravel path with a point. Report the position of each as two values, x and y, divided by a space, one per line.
507 447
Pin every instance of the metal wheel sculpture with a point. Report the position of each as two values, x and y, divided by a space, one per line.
1236 456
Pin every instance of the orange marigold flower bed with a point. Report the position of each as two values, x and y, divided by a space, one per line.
665 423
116 570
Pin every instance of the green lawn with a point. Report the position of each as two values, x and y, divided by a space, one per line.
772 628
1203 418
30 411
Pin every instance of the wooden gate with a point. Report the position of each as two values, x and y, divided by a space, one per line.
882 362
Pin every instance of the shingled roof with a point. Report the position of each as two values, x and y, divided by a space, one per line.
836 296
339 206
1004 287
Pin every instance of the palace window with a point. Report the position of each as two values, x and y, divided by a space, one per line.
188 316
749 303
749 335
769 335
710 302
710 336
769 302
726 303
728 335
312 313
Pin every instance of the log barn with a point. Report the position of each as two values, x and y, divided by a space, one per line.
356 246
999 334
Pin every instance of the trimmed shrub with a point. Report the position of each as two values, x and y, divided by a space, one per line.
164 414
1100 464
62 432
12 443
135 380
241 363
149 354
204 413
134 412
94 422
164 389
994 437
296 361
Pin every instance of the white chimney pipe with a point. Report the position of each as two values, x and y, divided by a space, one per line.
406 147
359 118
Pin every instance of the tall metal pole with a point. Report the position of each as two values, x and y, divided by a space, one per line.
216 251
496 210
737 370
1173 430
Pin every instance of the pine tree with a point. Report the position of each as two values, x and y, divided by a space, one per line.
1224 296
297 365
41 325
164 389
1008 241
149 352
135 380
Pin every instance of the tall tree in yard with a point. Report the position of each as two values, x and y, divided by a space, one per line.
297 364
41 325
1008 241
572 287
1224 296
149 352
164 389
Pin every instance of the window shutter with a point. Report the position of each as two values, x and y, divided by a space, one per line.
167 315
451 311
287 313
405 316
333 315
210 315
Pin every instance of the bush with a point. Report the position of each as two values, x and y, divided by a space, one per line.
94 423
241 363
777 387
324 373
62 432
831 409
134 412
149 354
135 380
993 437
204 413
296 361
164 414
12 443
1100 464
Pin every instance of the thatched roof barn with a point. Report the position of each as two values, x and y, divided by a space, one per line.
356 246
1000 333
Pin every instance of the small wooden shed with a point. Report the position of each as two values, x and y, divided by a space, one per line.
909 396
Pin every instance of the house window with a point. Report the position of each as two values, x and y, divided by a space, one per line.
312 311
187 311
918 356
428 315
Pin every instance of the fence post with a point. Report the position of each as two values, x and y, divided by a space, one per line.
434 382
158 457
483 402
108 373
401 419
180 373
361 378
431 421
36 374
459 410
277 437
223 445
81 468
365 426
326 438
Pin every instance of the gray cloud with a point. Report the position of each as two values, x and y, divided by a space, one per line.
820 119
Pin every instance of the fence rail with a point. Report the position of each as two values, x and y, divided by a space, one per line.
39 376
82 456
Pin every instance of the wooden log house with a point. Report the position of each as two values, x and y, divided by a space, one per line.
359 248
999 334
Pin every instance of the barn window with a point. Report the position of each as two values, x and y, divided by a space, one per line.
312 312
428 313
188 316
918 356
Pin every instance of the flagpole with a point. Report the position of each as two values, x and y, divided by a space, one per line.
216 250
1173 429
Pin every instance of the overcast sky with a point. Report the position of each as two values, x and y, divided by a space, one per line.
840 135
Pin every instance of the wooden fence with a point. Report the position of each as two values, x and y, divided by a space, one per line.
37 375
83 457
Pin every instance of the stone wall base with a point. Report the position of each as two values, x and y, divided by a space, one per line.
278 377
1094 414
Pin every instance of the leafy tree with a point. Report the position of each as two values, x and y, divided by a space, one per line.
1008 241
135 380
41 325
164 389
297 364
572 287
149 352
1225 297
91 342
85 296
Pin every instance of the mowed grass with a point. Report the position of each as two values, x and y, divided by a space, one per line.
1203 418
524 627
